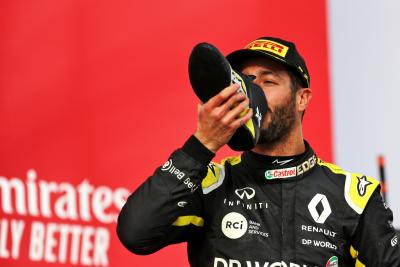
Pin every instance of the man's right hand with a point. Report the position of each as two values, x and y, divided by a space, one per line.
219 117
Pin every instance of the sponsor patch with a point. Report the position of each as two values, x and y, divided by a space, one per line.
246 205
316 229
234 225
269 46
312 208
255 229
362 185
168 166
281 173
182 204
318 243
247 193
223 262
332 262
292 171
281 162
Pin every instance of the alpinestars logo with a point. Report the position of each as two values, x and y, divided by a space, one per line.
247 192
362 185
312 208
211 166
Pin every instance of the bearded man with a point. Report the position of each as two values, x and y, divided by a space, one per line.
277 204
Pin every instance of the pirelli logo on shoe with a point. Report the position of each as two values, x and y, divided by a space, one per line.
269 46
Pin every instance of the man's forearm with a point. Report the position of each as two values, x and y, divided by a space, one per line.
167 207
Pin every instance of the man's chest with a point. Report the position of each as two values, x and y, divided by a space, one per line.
298 222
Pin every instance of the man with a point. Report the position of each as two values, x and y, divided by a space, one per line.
276 205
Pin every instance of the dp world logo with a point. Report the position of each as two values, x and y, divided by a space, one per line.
247 192
234 225
321 201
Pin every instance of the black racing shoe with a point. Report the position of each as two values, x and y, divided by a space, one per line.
209 73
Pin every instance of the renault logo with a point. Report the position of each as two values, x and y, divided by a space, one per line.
247 192
326 208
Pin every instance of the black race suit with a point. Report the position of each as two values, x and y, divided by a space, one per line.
258 211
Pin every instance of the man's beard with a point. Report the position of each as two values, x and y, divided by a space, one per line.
282 121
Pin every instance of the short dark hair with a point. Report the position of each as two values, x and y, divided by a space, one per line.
295 81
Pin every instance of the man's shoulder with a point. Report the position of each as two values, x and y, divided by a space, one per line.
358 188
330 167
216 173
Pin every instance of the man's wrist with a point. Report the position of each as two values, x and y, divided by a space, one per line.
197 150
209 145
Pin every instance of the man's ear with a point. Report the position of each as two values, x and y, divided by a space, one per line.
303 98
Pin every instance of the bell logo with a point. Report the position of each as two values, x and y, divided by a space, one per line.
326 208
234 225
247 191
167 165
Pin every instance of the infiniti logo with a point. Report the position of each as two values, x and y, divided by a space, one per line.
247 192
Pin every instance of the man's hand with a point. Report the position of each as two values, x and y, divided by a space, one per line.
219 117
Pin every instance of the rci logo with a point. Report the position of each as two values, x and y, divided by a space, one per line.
234 225
312 207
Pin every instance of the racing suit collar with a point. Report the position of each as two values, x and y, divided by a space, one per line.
278 168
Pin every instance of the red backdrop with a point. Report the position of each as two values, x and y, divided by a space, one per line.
98 91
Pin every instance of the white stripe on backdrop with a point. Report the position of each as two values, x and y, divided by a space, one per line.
365 59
